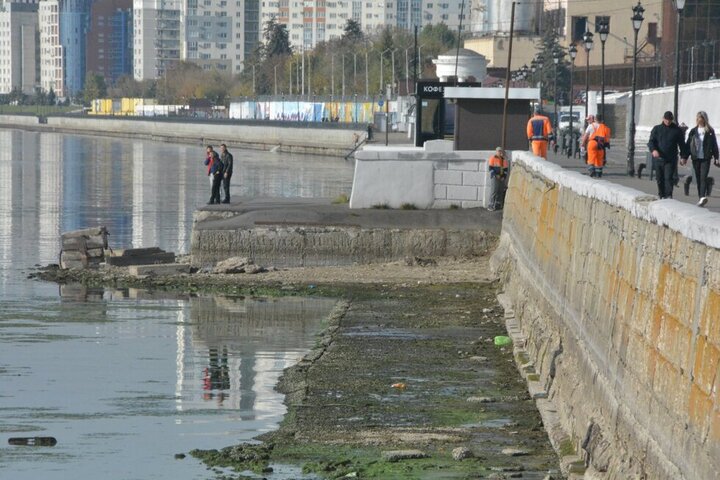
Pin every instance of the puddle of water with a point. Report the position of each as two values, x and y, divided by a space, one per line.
125 384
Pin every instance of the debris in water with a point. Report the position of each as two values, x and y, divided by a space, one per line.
33 441
502 340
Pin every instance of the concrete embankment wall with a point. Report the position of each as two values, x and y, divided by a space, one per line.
316 140
618 297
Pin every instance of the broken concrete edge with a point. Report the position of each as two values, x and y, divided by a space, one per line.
559 438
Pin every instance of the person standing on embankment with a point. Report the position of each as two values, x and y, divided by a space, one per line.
227 160
215 170
539 133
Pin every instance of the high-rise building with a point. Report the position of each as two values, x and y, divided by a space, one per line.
63 31
19 62
52 58
109 39
312 22
156 37
214 34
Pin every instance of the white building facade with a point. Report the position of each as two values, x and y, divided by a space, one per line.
52 58
19 62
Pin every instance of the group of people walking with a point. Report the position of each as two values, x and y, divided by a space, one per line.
700 145
666 141
219 170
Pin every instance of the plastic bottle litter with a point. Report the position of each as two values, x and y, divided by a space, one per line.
502 341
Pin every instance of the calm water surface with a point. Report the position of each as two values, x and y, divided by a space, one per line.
124 379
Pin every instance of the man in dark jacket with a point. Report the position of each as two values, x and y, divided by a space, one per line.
665 141
215 171
227 160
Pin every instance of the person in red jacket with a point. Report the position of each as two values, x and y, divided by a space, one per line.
215 172
539 133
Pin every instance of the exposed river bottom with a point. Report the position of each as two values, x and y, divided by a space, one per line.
399 366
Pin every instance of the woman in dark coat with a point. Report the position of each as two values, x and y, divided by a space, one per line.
702 143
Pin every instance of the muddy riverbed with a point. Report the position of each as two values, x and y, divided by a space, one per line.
406 362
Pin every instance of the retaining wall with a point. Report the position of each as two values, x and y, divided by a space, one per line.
322 141
431 177
618 297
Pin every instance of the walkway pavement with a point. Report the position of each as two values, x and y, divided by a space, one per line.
615 171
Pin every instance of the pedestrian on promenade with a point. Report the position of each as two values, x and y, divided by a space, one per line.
539 133
590 127
227 160
665 141
598 143
703 147
498 166
215 170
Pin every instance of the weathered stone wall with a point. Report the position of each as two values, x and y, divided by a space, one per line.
328 246
618 296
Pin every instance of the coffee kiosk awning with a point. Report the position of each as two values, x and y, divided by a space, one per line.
494 93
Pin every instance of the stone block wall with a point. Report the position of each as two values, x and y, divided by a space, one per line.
618 296
432 177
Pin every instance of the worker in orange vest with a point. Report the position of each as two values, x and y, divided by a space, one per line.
598 142
539 133
498 167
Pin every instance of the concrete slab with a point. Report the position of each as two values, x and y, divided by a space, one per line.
314 232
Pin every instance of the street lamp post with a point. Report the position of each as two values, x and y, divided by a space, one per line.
367 78
355 72
588 43
604 31
343 77
679 5
637 20
540 65
573 53
556 61
275 90
332 77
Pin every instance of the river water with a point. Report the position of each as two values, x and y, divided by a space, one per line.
126 379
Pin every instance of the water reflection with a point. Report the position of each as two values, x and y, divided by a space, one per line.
125 379
145 192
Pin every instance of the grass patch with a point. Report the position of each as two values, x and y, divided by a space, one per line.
340 199
566 448
381 206
408 206
37 109
454 206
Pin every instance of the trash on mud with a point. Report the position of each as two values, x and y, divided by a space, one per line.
461 453
399 386
502 341
33 441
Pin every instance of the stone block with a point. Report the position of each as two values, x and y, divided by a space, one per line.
440 192
473 178
447 177
472 166
157 258
455 192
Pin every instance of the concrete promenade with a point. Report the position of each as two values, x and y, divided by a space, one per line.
615 171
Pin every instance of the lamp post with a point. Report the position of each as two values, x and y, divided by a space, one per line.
573 53
637 20
540 65
556 61
588 43
604 31
275 90
679 5
355 72
332 77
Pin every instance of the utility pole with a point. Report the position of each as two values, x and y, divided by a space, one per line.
507 77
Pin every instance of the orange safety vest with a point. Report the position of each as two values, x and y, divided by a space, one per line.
597 142
539 128
496 161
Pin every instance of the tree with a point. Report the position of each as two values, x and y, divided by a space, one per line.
95 87
51 97
277 39
352 32
547 47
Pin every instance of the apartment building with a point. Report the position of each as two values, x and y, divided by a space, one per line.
19 62
157 37
310 22
109 39
52 55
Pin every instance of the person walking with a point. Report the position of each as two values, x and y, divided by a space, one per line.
227 160
590 127
703 147
498 166
598 142
665 141
539 133
215 170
